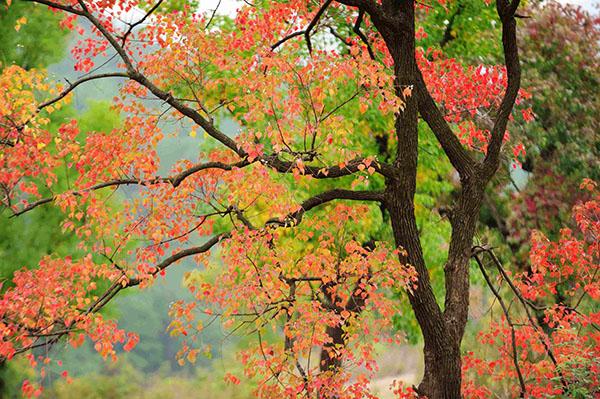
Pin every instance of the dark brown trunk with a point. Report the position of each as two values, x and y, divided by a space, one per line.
330 360
464 221
442 331
442 350
442 377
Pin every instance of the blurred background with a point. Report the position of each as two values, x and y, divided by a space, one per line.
151 370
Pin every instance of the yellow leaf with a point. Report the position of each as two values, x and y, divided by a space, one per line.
191 357
21 21
193 133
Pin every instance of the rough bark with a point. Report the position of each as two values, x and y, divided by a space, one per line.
442 354
442 330
328 359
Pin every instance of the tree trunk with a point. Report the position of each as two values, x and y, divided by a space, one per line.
442 330
442 348
330 360
442 377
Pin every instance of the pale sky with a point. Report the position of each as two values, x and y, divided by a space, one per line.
229 6
587 4
226 7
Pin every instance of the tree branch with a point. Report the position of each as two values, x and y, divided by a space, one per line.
137 76
506 12
139 22
513 343
271 160
73 85
119 283
110 183
58 6
207 246
295 218
327 172
459 157
313 23
305 32
370 6
448 31
7 142
192 114
526 304
360 34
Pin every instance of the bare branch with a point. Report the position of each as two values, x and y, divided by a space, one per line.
111 183
139 22
513 343
58 6
73 85
207 246
7 142
313 23
336 194
317 172
285 39
212 16
360 34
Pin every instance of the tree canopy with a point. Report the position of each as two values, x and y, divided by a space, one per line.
347 152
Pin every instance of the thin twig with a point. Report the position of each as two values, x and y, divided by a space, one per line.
515 355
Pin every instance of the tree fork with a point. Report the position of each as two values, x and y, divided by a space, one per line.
442 377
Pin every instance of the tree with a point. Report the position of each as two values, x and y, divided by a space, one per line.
296 106
563 347
559 53
559 154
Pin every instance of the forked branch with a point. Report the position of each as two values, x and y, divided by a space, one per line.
139 22
515 355
123 282
541 335
307 31
458 155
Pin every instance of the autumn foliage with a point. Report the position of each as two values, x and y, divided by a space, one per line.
556 343
269 212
